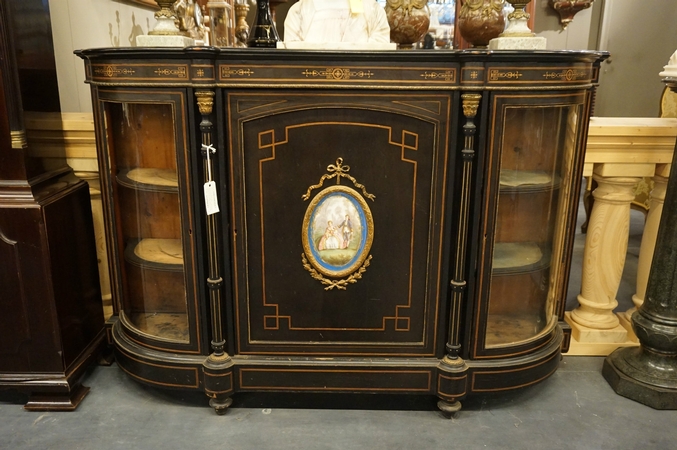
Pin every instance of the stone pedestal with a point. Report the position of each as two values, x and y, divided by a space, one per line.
518 43
648 374
646 249
165 33
517 35
147 40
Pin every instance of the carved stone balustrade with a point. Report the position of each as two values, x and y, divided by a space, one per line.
620 152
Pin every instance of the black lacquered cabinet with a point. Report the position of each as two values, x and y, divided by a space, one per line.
378 222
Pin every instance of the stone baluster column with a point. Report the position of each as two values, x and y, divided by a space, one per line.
603 260
646 249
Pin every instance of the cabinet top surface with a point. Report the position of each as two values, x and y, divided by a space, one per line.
420 69
213 52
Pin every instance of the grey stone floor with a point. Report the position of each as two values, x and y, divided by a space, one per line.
573 409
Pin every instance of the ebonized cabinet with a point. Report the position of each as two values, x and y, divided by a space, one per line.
389 221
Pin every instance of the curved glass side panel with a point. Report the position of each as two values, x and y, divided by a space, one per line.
537 154
142 149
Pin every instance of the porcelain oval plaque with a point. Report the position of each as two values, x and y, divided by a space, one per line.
338 230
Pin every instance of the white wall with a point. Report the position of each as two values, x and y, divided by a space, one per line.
637 33
80 24
640 36
574 37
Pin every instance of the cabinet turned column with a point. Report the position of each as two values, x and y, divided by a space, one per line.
217 368
452 362
606 246
646 249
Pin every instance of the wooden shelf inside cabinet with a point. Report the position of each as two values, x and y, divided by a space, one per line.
160 263
518 257
155 254
524 181
506 329
170 326
149 179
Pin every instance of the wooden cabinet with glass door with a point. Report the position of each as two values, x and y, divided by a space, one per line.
148 210
451 174
534 155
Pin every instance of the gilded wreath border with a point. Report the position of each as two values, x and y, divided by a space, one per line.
354 272
339 284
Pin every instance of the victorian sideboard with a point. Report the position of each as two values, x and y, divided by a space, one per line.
364 222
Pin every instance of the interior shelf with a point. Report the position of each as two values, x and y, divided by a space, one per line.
149 179
158 254
527 180
518 257
173 326
505 329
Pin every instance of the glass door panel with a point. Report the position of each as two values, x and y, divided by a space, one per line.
142 148
536 159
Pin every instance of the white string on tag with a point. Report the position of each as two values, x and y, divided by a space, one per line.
211 200
209 149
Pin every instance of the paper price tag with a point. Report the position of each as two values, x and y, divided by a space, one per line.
211 201
356 6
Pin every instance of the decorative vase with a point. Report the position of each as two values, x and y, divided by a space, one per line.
263 33
479 21
409 21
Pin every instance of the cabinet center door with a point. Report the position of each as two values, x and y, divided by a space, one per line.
339 202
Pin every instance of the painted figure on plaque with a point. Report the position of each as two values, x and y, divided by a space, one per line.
346 228
335 246
324 21
330 238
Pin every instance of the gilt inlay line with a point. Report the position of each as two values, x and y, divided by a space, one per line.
568 75
447 75
227 72
495 75
112 71
179 72
337 73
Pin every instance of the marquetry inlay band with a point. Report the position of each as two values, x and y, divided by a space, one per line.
337 73
567 75
179 72
227 72
536 75
113 71
447 75
495 74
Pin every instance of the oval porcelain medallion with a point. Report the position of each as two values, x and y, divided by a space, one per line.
338 230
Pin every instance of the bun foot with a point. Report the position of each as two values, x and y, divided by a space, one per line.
220 405
449 409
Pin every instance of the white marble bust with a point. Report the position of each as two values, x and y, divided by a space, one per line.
671 69
336 21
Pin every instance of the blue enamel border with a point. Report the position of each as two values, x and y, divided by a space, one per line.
363 221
